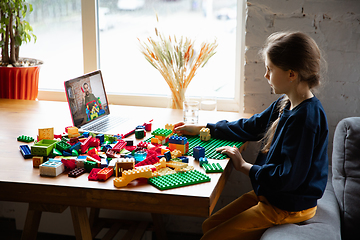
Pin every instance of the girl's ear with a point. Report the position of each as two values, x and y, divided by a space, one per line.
293 75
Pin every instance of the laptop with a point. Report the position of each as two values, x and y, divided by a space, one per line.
89 108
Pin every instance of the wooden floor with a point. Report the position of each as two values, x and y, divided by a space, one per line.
8 231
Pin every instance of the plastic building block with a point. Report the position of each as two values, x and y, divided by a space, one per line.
80 161
51 168
25 151
85 144
173 164
179 179
37 161
76 172
177 140
101 137
73 132
110 153
205 134
119 146
104 163
43 147
140 133
183 148
93 174
105 173
46 133
198 152
212 168
89 165
123 164
211 146
130 175
69 163
162 132
169 126
56 152
161 164
167 155
151 158
27 139
62 146
202 161
176 153
140 156
76 147
148 126
184 159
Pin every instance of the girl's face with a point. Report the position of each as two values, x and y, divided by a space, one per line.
278 79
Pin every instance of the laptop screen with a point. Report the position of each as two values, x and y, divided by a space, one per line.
87 98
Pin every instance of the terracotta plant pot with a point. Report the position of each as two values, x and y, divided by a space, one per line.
19 82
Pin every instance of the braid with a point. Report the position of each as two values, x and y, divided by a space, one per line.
269 135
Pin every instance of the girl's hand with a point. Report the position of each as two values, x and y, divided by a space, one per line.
236 158
181 128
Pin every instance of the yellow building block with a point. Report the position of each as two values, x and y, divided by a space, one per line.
130 175
205 134
46 133
174 164
73 132
169 126
37 161
161 164
176 153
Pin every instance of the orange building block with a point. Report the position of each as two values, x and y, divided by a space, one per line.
130 175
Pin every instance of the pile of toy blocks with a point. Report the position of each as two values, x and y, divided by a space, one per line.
103 156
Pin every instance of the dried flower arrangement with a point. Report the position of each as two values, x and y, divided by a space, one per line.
177 61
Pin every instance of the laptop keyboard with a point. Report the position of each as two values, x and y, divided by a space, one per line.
105 124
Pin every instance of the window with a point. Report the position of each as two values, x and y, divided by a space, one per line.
128 77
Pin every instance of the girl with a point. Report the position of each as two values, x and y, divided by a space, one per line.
290 172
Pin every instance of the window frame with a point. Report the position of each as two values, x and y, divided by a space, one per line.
91 54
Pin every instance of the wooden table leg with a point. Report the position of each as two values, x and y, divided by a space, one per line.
32 223
159 227
81 223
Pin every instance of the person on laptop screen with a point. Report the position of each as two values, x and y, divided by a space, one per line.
90 103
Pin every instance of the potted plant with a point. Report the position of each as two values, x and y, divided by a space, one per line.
19 77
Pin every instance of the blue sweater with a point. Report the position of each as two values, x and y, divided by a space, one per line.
293 174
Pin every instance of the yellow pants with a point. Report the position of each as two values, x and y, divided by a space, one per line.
248 217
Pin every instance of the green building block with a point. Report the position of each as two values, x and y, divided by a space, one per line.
210 146
62 146
179 179
43 147
27 139
162 132
89 165
212 168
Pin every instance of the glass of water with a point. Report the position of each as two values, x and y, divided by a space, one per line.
191 111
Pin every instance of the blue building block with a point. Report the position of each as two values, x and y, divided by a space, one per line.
184 159
104 162
178 140
101 137
86 134
76 147
25 151
167 155
202 161
198 152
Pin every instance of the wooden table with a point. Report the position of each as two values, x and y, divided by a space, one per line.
20 182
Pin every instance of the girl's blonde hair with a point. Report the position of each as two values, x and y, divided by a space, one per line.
292 51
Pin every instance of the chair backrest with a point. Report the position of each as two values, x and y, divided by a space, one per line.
346 175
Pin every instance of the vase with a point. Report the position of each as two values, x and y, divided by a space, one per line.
177 98
19 82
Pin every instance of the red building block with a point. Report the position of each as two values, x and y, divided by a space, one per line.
105 173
